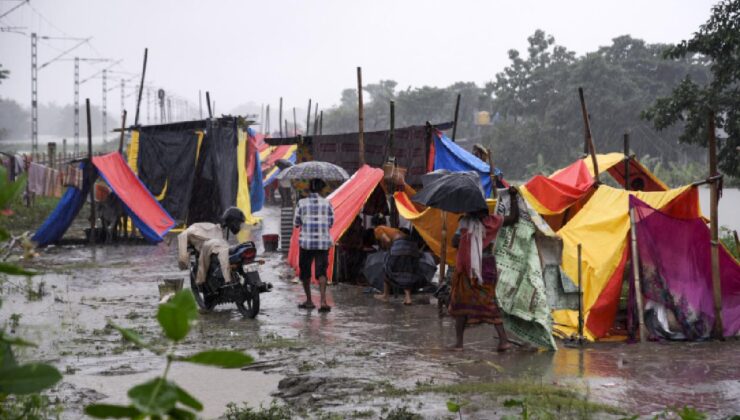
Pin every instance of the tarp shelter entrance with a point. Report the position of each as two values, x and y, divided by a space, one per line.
147 214
347 202
196 169
675 261
602 227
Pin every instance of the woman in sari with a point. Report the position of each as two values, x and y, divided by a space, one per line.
473 295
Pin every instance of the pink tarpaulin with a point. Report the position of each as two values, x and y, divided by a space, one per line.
675 260
347 201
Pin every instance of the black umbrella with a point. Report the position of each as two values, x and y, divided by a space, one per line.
457 192
284 163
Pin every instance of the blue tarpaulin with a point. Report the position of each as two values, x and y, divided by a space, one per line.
256 188
450 156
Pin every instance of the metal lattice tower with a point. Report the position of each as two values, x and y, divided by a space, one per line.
34 96
77 105
105 103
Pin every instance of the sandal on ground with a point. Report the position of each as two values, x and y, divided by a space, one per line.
325 308
306 305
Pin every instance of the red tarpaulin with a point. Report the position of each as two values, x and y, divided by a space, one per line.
347 202
149 216
561 190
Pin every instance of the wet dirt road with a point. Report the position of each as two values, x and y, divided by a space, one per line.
362 359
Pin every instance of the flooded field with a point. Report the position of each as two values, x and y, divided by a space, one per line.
363 359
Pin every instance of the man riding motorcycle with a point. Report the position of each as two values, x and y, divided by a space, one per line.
210 239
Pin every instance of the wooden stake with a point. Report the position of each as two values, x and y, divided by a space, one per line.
443 249
210 111
626 161
580 295
718 331
141 86
636 275
737 240
589 141
295 124
361 117
457 111
321 123
91 170
492 174
280 117
315 118
308 120
123 132
286 127
392 135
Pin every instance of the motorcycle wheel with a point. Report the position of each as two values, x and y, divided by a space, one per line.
200 298
249 307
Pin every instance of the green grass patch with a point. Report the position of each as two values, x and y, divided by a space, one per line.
28 218
273 341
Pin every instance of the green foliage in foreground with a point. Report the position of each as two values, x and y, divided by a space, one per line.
160 397
20 384
727 237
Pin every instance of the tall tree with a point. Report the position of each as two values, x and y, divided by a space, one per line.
718 40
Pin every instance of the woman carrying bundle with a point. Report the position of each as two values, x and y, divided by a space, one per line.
473 295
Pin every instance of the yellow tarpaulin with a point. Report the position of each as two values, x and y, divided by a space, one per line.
242 195
428 223
601 227
133 152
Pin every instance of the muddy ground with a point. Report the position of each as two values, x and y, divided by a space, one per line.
363 359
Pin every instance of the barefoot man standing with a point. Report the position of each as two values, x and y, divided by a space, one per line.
315 217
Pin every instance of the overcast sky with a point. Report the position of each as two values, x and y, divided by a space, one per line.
256 51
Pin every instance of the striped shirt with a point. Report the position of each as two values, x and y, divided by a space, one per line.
315 217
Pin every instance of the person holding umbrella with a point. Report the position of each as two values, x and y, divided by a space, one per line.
473 296
473 291
315 216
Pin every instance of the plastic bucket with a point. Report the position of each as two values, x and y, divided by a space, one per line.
271 242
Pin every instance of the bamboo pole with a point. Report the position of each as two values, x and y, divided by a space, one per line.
210 111
280 117
737 240
308 119
91 170
443 249
141 86
286 127
492 174
636 276
315 118
714 228
392 136
580 294
321 123
361 118
589 141
295 124
123 131
457 111
626 161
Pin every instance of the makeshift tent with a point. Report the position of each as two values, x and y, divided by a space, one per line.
270 170
347 202
450 156
601 226
147 214
674 256
411 149
196 169
554 194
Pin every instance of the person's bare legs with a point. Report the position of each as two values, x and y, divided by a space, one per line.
460 322
322 291
307 289
385 297
503 341
407 297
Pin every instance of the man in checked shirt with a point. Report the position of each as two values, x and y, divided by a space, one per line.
315 216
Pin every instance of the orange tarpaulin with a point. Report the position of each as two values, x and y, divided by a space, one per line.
428 222
347 202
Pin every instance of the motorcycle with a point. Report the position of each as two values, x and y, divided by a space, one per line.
245 287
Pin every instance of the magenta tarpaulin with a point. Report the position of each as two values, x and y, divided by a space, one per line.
675 261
